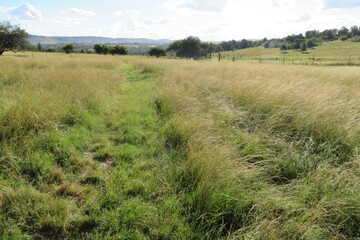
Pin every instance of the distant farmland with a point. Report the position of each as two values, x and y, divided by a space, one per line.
336 52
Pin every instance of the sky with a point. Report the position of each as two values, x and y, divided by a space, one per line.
210 20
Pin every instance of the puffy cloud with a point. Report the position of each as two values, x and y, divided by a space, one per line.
24 12
341 4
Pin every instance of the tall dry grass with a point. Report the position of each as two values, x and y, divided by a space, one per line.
271 151
40 93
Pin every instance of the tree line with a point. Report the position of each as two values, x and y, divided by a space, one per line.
301 42
13 38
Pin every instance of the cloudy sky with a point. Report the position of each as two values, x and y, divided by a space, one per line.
176 19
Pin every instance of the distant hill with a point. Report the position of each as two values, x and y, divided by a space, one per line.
34 39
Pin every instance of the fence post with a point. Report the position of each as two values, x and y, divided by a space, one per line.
219 57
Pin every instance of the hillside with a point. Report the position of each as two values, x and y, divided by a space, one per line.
328 52
34 39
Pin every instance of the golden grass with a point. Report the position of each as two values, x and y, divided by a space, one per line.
250 128
313 95
38 93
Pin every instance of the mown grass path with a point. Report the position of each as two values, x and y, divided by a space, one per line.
101 175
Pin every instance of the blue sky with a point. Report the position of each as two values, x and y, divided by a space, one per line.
176 19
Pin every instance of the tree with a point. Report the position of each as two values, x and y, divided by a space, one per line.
98 48
119 50
12 38
68 48
105 49
310 44
39 47
156 51
303 47
190 47
283 48
354 30
343 31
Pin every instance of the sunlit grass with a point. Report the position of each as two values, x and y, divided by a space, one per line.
100 147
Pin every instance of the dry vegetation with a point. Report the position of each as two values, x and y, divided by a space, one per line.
273 150
100 147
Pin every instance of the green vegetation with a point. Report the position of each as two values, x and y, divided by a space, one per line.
97 147
68 48
12 38
190 47
330 53
157 52
113 50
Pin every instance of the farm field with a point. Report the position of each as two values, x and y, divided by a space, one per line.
328 53
104 147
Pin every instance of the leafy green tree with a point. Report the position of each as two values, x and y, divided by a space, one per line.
343 31
39 47
310 44
354 30
12 38
283 48
157 52
68 48
105 49
190 47
303 47
118 50
98 48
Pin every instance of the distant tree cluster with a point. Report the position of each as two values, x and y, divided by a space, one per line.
300 42
236 45
113 50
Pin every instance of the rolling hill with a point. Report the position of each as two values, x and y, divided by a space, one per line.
34 39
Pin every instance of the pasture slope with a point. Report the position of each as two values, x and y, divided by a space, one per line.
328 53
99 147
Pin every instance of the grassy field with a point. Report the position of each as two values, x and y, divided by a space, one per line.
99 147
328 53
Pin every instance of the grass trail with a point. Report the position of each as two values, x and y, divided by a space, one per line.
100 175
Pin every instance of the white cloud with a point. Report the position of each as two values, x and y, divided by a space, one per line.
210 5
303 18
119 13
198 5
81 12
160 21
24 12
69 22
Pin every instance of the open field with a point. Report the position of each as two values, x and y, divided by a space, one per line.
329 53
104 147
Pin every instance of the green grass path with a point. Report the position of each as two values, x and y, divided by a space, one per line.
102 176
